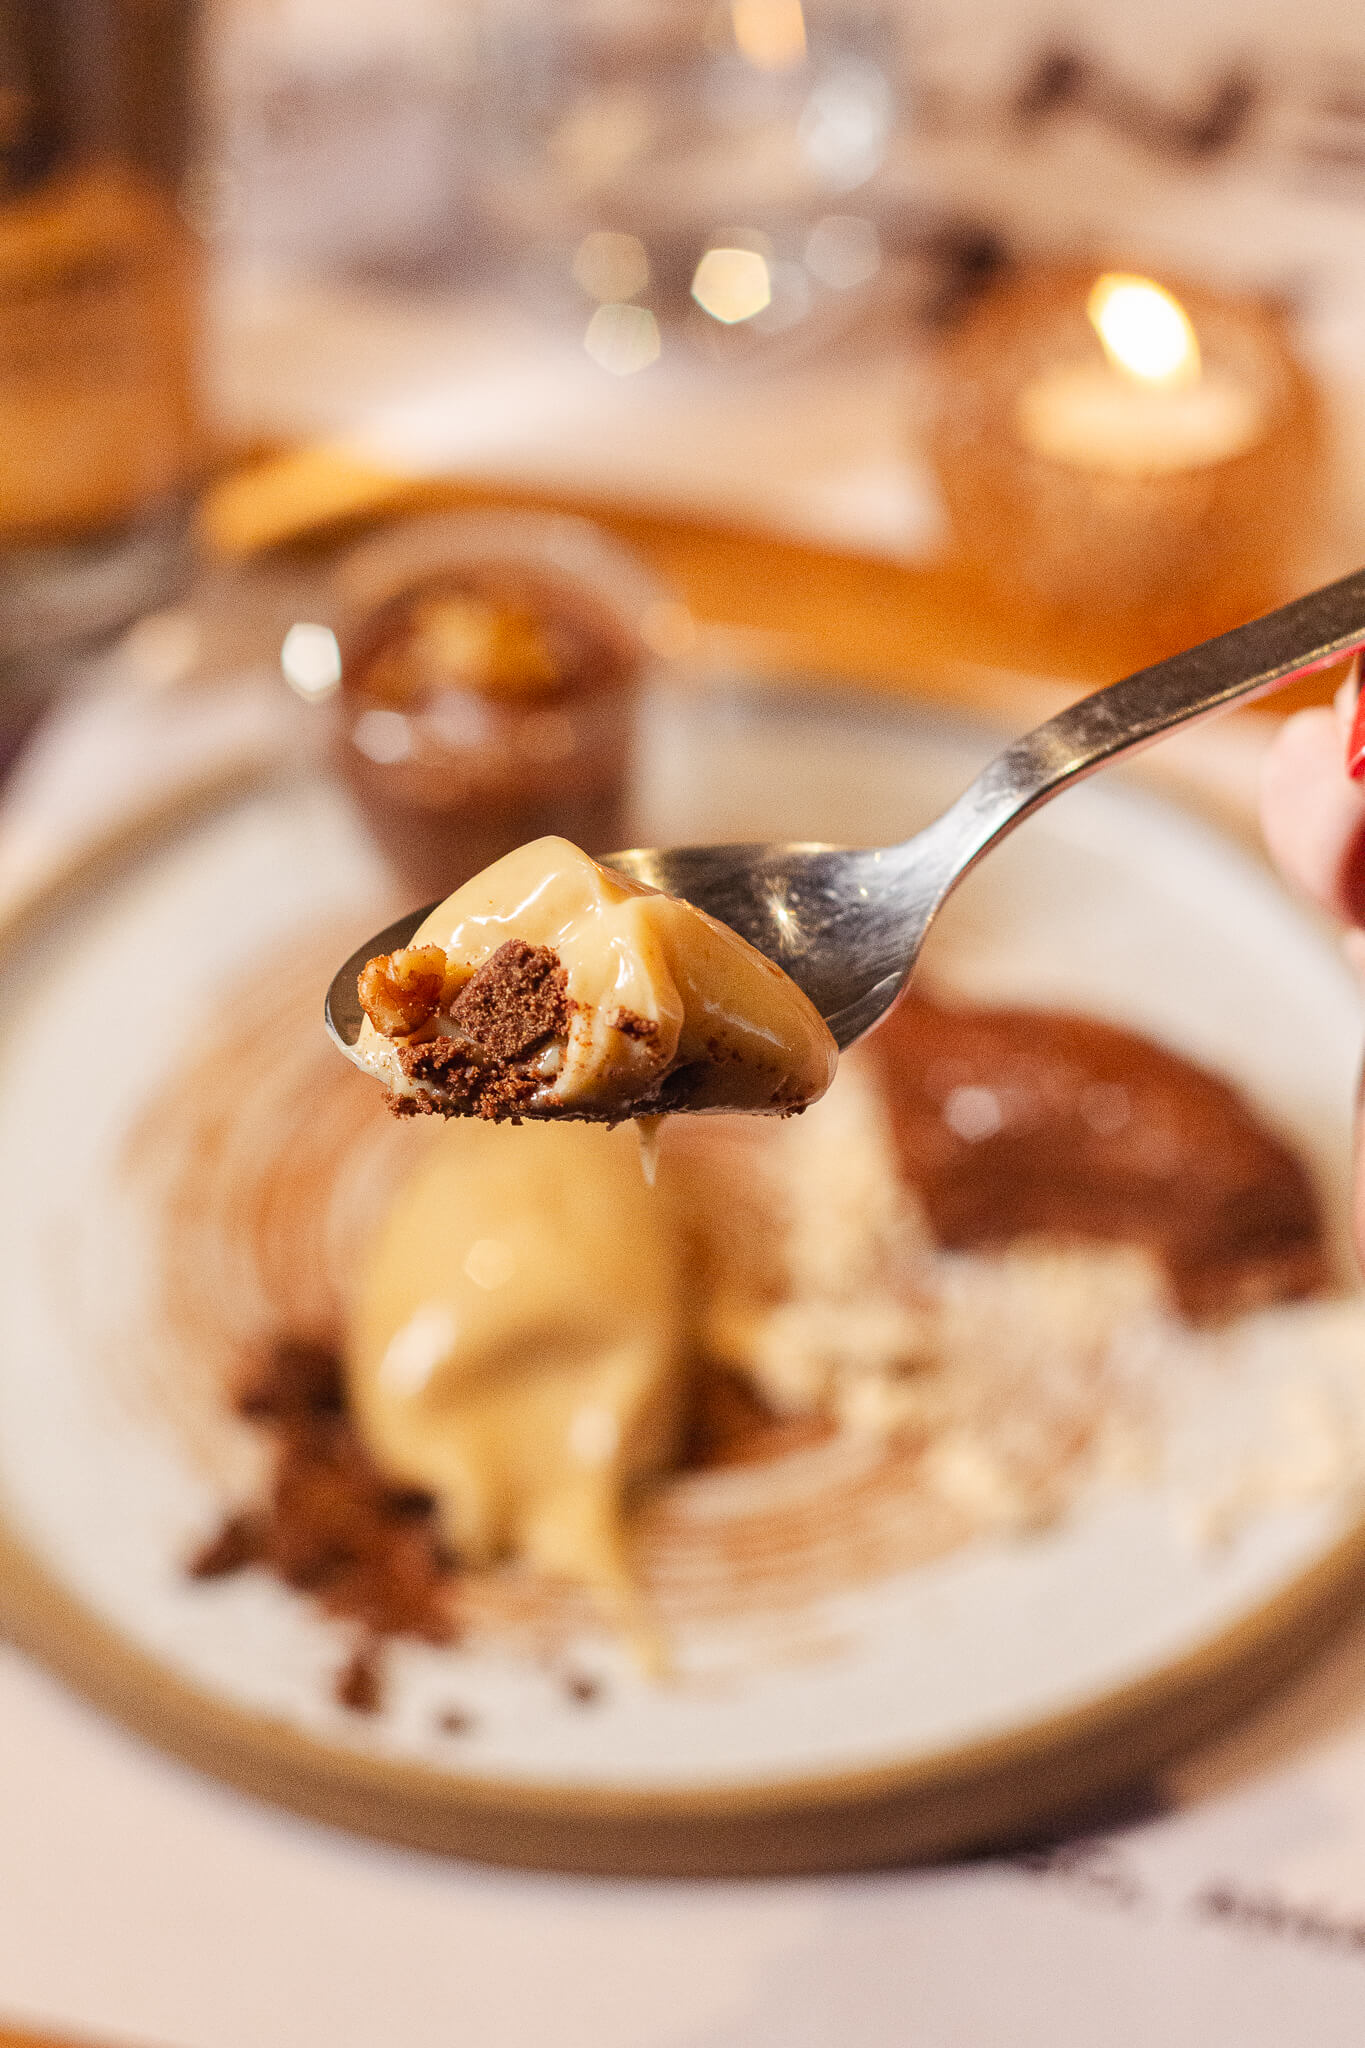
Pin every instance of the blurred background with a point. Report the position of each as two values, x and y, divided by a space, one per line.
707 262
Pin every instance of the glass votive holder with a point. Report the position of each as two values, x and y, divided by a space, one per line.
100 441
1106 444
489 675
683 174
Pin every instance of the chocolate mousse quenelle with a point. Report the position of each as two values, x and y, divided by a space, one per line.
549 986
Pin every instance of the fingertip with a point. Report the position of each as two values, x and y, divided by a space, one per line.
1290 773
1312 816
1349 707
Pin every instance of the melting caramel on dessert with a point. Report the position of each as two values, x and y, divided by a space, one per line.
551 986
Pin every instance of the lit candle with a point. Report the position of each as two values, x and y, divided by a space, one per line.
1151 407
1126 462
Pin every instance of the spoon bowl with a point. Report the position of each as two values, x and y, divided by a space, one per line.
847 923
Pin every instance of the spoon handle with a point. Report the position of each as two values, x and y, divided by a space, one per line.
1311 633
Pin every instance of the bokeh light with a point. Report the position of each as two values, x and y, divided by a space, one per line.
771 34
623 339
610 266
311 660
732 284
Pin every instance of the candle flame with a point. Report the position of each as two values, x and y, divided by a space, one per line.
1146 333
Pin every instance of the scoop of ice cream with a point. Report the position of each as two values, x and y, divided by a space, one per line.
515 1343
570 991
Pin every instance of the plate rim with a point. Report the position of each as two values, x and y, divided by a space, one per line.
991 1791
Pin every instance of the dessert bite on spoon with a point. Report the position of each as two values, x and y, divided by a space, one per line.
730 977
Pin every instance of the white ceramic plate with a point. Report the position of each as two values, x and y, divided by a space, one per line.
900 1713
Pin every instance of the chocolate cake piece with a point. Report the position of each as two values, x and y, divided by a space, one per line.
462 1085
503 1019
517 1000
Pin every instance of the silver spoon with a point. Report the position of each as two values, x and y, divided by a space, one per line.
847 923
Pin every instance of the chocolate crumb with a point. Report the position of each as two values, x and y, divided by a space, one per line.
502 1019
240 1542
468 1086
582 1690
292 1380
518 999
643 1030
411 1105
332 1525
359 1685
508 1098
337 1531
455 1721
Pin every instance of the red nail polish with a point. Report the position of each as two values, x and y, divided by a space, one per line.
1355 752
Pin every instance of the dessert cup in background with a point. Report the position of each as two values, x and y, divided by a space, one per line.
490 671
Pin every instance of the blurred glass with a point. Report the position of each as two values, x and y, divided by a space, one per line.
340 142
700 166
97 289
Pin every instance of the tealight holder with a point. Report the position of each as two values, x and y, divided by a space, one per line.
1108 443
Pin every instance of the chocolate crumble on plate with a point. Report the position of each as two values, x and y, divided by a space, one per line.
359 1684
332 1525
582 1689
644 1030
